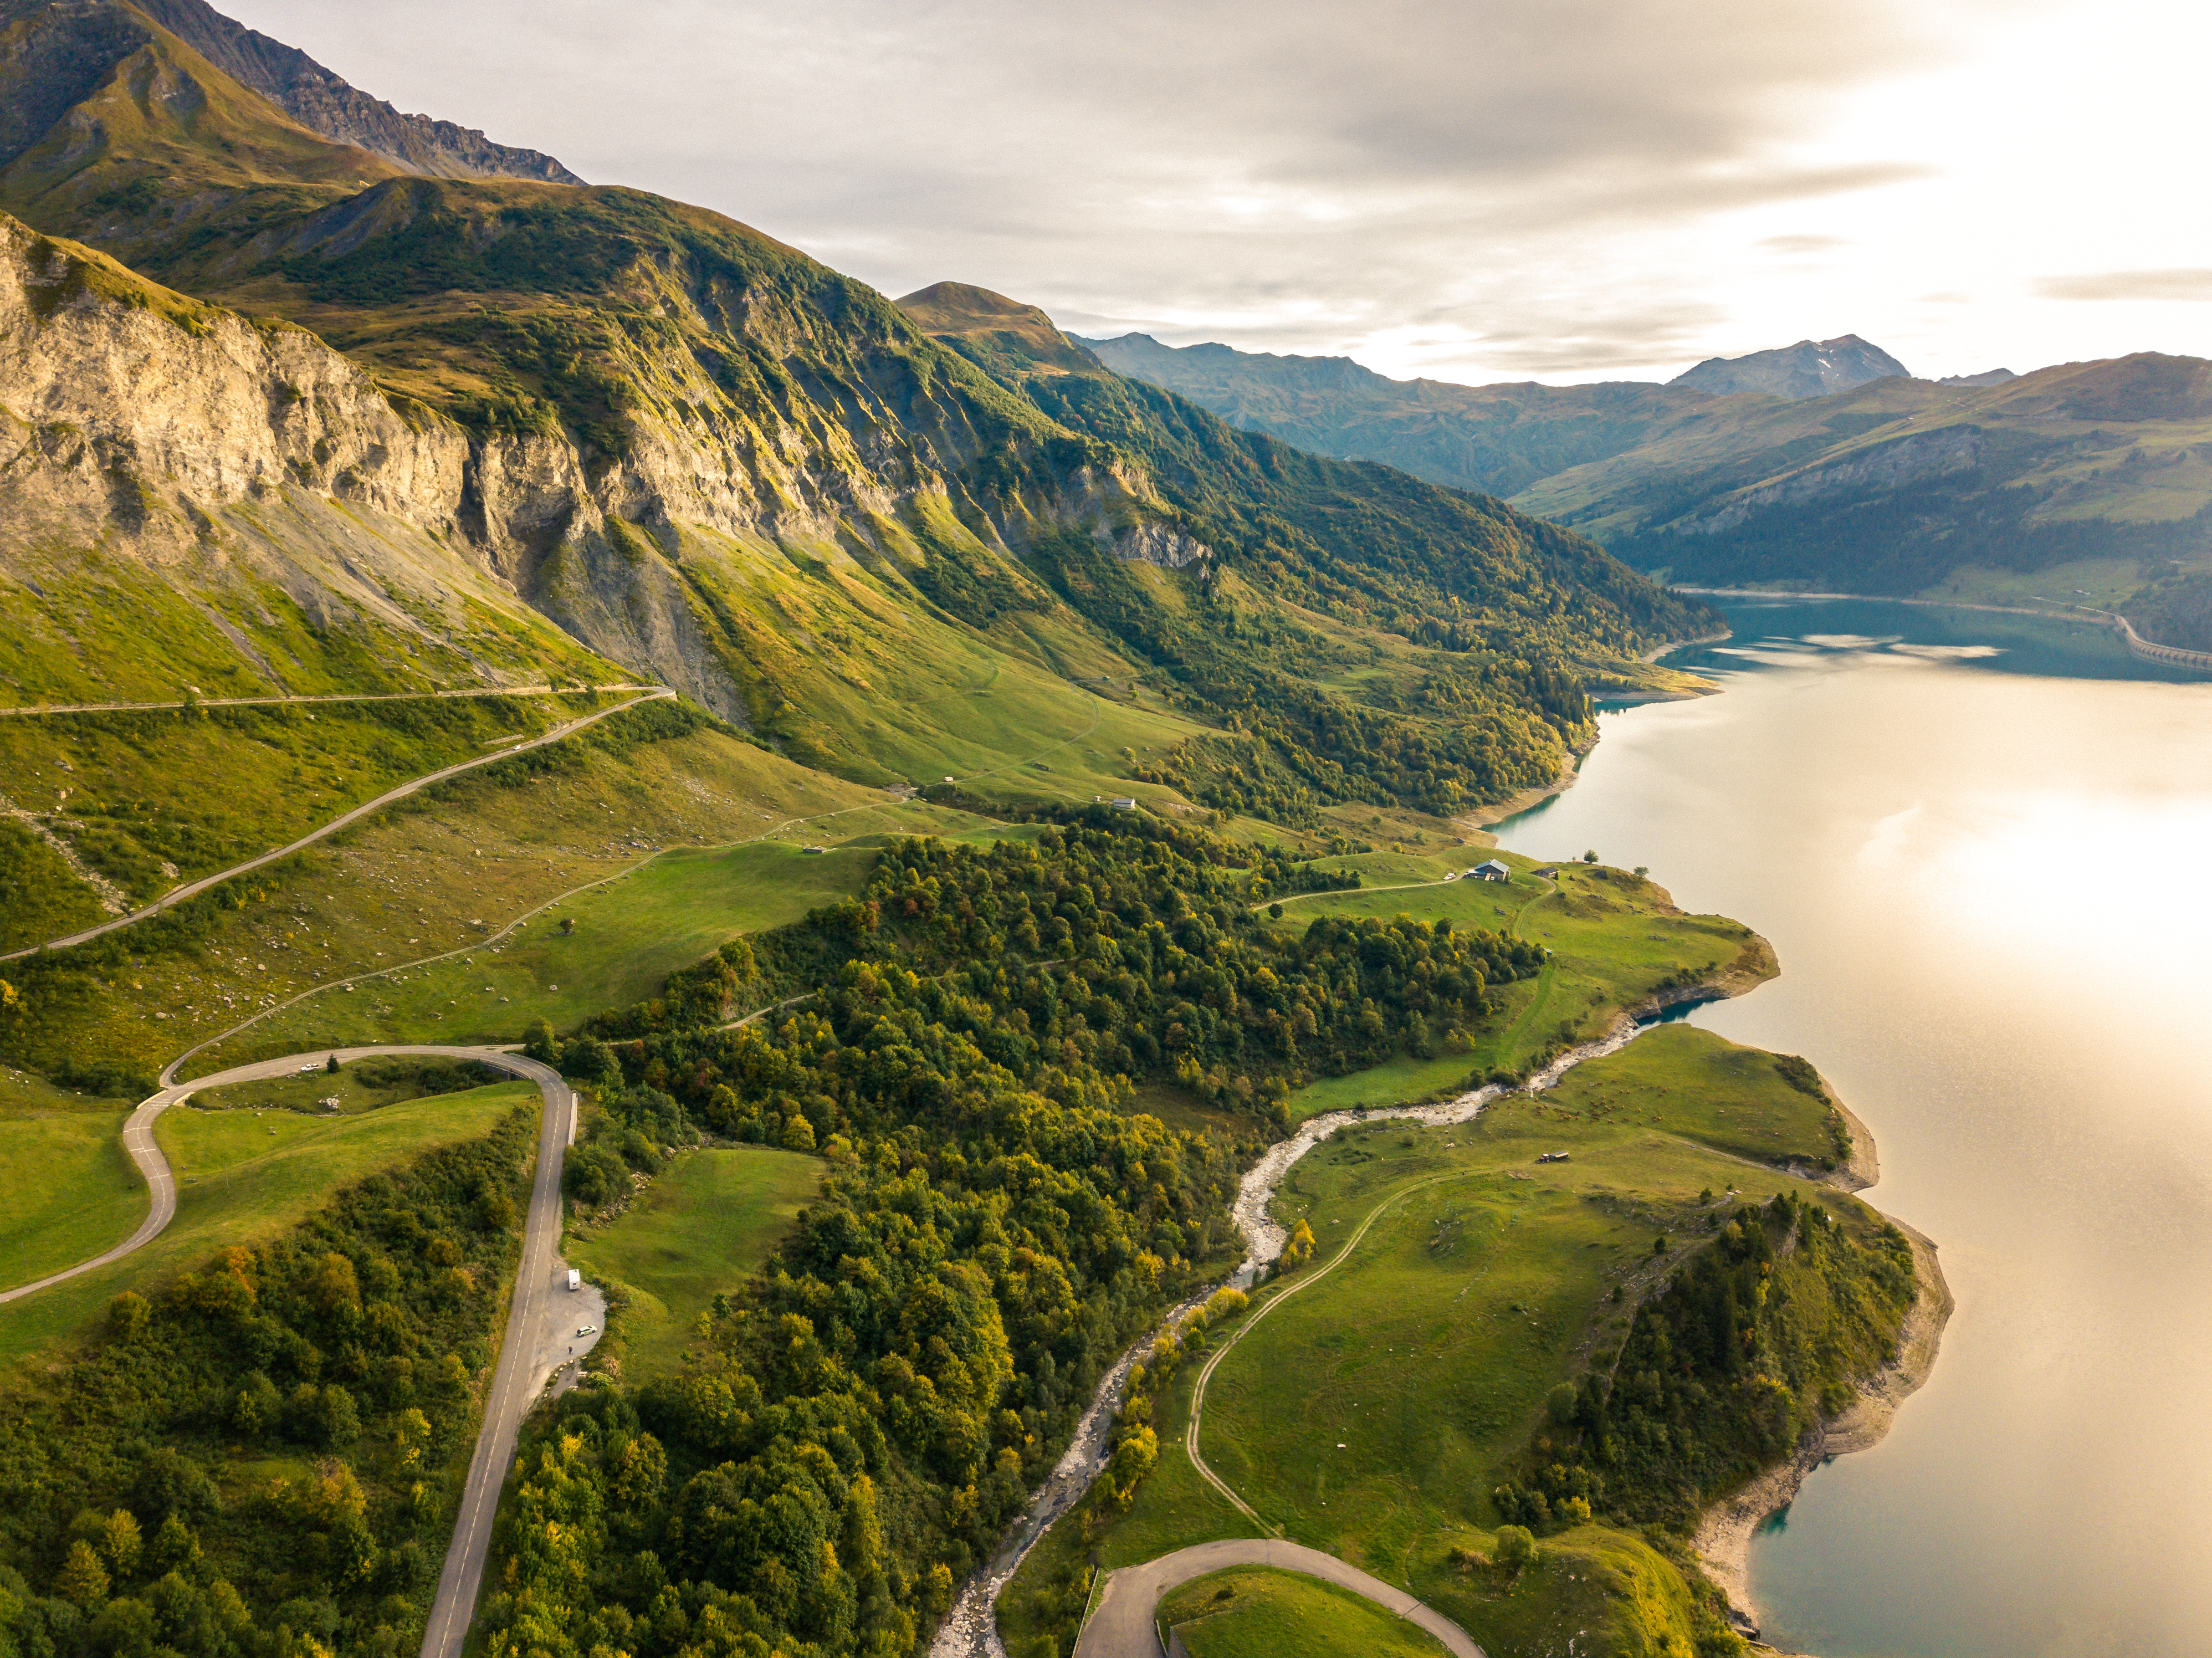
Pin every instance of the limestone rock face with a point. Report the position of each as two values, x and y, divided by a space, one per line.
110 384
1159 543
147 436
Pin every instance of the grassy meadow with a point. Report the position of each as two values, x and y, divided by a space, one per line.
244 1175
1372 1413
67 1190
1252 1611
630 933
414 882
1615 938
704 1223
124 792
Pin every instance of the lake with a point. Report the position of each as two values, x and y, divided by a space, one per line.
1982 845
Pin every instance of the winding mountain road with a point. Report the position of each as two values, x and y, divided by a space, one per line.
1122 1627
191 889
526 1350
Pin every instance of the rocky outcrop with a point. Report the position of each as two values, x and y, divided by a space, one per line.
214 452
1159 543
110 383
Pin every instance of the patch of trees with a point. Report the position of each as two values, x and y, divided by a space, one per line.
635 1131
1757 1336
256 1460
1100 952
871 1409
2176 610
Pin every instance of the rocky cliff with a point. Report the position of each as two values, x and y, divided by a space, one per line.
191 446
186 495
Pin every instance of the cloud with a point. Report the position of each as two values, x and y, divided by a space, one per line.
1802 244
1297 173
2195 285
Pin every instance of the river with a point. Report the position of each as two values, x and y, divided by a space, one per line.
1980 844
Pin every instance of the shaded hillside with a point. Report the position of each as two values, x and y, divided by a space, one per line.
1887 487
1297 542
1892 487
2175 610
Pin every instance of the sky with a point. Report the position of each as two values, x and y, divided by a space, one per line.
1562 191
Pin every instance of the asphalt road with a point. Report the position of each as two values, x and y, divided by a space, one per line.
540 1298
538 1329
178 895
1122 1626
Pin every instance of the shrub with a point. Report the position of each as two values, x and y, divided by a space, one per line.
1515 1551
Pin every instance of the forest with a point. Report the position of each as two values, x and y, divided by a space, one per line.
256 1461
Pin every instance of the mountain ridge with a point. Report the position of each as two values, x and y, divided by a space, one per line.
2072 462
85 39
705 456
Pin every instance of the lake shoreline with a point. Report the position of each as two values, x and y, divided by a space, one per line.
1478 820
1722 1541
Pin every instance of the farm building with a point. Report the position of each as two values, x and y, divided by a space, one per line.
1491 871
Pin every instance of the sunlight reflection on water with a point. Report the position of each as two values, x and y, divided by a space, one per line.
1988 889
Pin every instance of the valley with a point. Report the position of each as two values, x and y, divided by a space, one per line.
962 846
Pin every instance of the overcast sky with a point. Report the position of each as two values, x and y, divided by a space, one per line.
1474 190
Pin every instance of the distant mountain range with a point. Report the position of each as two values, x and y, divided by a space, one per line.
1745 472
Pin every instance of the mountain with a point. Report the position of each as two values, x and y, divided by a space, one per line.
628 426
1894 485
1495 438
1810 368
58 53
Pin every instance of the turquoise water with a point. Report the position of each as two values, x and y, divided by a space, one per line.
1982 845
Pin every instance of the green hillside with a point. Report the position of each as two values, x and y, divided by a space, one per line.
1041 737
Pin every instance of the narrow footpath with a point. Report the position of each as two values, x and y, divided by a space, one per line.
191 889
